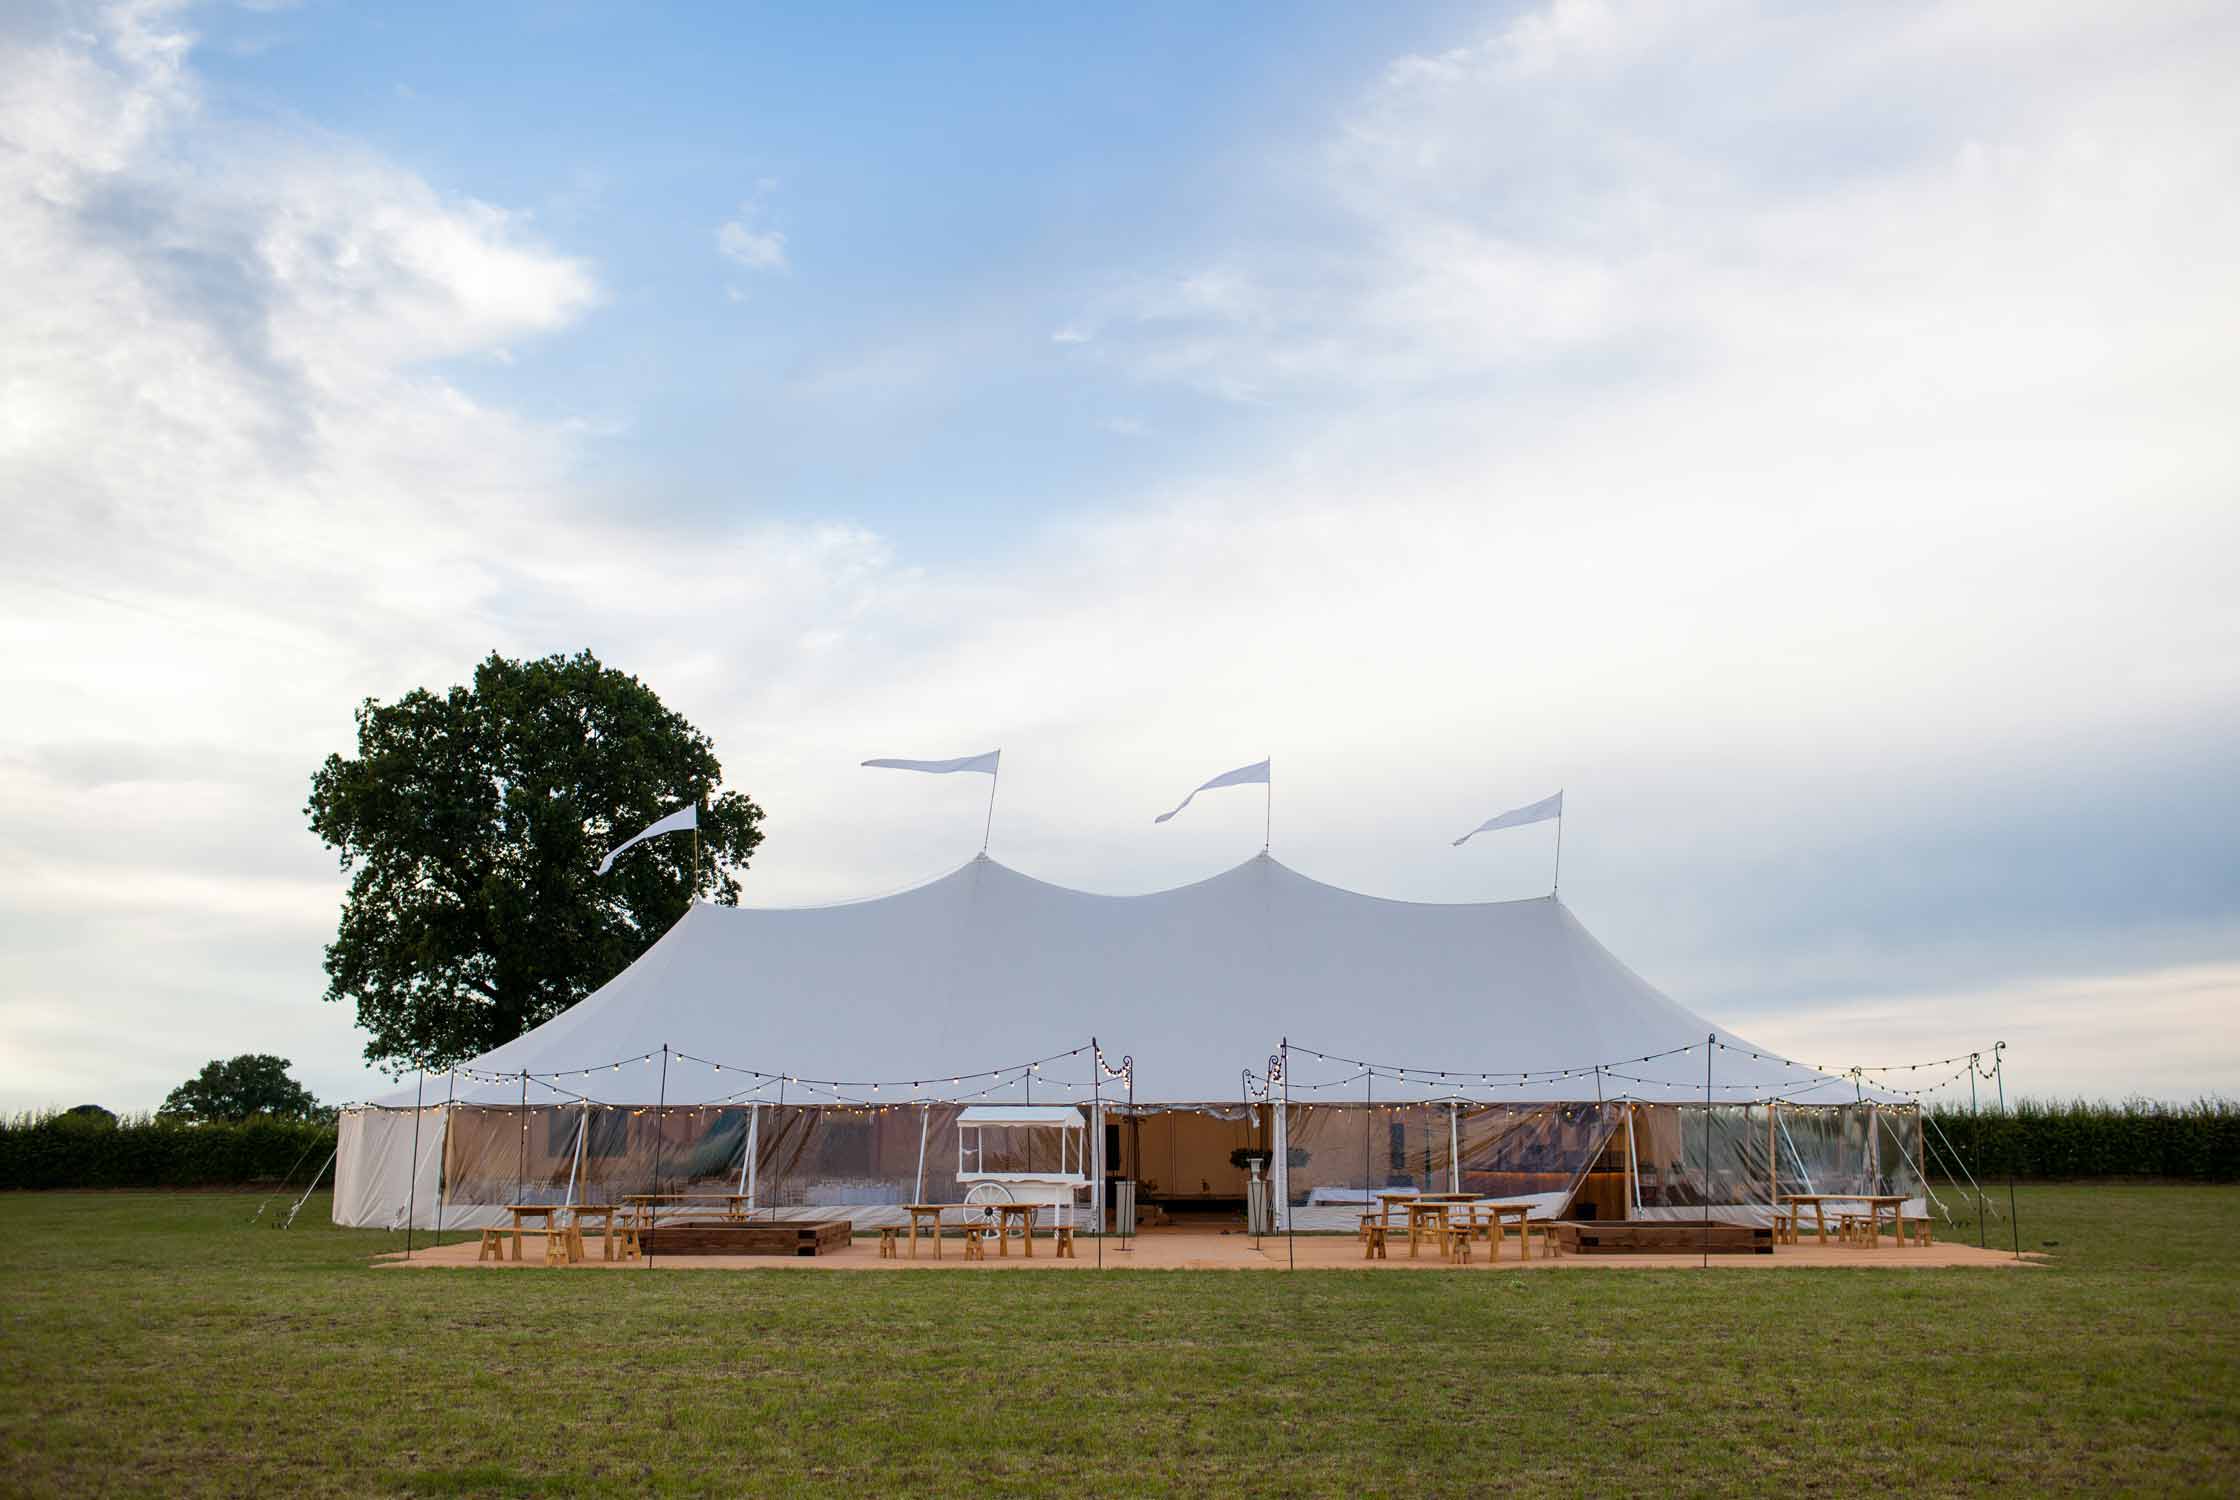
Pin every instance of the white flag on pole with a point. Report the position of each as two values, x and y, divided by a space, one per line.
1252 775
985 763
1518 817
683 818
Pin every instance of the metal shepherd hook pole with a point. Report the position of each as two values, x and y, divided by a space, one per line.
1999 1076
660 1114
412 1183
1710 1046
1975 1145
1290 1242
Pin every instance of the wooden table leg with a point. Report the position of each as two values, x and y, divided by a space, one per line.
1820 1216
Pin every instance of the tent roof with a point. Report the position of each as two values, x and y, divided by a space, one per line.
986 968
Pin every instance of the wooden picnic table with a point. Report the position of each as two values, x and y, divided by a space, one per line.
1425 1216
646 1205
1024 1212
1875 1203
542 1212
1496 1221
932 1211
606 1214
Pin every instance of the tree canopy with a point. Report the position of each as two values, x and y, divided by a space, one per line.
255 1083
474 821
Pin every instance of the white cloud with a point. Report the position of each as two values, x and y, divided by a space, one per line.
755 248
1769 485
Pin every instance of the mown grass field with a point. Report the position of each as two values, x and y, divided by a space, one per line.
157 1345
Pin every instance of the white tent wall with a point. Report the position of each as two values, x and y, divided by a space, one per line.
375 1171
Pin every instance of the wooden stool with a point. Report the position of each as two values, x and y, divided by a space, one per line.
624 1244
888 1236
1852 1229
1919 1228
493 1245
1785 1226
1064 1248
975 1242
556 1246
1372 1240
1457 1243
1551 1242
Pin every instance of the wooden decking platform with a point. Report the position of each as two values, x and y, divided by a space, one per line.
721 1238
1639 1237
1206 1250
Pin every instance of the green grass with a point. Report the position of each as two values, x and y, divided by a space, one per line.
157 1345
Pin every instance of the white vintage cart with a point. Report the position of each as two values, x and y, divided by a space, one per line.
1024 1153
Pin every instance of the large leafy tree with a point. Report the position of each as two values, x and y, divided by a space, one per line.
255 1083
474 820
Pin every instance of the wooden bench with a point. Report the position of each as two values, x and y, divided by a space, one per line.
563 1246
976 1240
1064 1236
890 1238
1918 1227
493 1245
1454 1242
1372 1239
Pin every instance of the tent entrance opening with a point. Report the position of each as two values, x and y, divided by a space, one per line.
1192 1166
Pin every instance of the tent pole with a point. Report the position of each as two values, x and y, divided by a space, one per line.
1454 1147
746 1164
412 1178
1773 1158
918 1193
1633 1164
1368 1124
1999 1076
575 1168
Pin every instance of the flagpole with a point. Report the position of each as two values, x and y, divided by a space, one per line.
1268 830
989 831
692 886
1557 888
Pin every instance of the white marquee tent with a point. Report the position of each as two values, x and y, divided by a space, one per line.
800 1054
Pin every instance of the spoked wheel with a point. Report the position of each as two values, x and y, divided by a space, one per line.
985 1196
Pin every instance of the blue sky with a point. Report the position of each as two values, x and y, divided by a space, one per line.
1801 434
951 190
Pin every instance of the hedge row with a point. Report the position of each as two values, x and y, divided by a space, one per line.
63 1151
2045 1141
